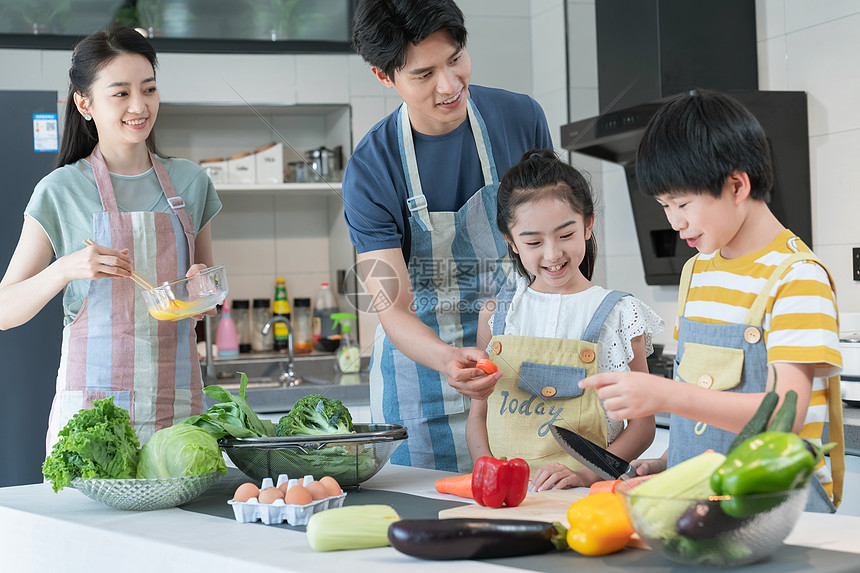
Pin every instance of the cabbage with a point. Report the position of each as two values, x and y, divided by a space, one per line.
180 450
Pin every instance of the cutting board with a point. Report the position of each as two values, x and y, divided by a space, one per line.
550 505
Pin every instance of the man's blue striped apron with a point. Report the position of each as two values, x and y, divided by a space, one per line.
456 265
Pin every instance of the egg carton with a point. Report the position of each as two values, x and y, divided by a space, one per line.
279 511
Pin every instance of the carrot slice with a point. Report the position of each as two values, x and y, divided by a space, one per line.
456 485
487 366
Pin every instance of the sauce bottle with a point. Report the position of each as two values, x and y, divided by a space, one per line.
348 353
281 308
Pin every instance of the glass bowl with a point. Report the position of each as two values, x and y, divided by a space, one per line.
146 494
720 531
349 458
187 296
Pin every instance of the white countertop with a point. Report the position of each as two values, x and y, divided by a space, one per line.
43 531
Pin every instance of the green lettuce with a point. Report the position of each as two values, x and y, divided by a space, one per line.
232 415
180 450
96 443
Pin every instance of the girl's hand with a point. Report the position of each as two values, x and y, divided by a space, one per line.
96 262
559 476
465 377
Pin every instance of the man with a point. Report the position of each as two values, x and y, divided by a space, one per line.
420 201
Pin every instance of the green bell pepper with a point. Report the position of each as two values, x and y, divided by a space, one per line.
769 462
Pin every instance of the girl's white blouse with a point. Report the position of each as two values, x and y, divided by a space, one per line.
533 313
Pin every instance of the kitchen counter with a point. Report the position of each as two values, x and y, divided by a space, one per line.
43 531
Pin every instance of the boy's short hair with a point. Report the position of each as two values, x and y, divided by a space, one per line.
697 140
383 29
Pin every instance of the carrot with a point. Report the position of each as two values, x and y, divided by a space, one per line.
487 366
456 485
612 485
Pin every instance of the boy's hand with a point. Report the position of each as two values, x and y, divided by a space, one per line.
628 395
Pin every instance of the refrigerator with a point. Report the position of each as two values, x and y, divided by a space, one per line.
30 353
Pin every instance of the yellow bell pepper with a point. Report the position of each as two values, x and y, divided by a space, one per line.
598 524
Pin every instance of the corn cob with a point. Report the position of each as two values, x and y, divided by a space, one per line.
691 479
351 527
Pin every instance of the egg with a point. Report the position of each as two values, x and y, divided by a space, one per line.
298 495
270 494
331 485
317 490
246 491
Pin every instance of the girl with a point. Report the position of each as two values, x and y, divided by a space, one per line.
144 211
551 326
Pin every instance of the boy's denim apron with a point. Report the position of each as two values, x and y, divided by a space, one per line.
734 357
456 265
539 388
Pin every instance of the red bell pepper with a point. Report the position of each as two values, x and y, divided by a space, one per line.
500 482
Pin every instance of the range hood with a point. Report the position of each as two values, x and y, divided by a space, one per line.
680 45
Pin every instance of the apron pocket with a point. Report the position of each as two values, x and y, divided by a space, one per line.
714 367
550 381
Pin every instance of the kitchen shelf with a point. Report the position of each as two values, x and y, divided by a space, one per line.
295 189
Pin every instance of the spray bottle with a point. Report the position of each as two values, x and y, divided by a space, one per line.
348 353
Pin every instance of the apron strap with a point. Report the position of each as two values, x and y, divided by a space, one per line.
757 310
176 203
835 429
592 331
684 287
416 201
503 300
102 177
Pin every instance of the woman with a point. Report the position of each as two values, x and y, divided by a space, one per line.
142 211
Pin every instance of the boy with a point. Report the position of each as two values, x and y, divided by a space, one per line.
755 296
420 202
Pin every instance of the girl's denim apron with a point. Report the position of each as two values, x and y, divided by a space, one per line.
539 388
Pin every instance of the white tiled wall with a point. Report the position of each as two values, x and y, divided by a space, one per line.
802 45
519 45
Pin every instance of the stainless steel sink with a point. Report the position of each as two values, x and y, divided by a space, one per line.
265 370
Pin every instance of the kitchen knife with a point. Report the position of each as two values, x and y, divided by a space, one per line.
605 464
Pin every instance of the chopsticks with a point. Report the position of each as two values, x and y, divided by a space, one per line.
145 284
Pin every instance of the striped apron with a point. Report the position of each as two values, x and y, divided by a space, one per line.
114 347
733 357
458 262
538 388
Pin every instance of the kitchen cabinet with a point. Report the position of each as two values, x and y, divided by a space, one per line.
265 231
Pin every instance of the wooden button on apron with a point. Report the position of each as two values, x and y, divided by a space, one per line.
586 355
705 381
752 335
497 347
548 391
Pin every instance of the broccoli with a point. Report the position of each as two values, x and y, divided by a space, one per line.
316 415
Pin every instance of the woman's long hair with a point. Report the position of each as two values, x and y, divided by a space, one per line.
90 56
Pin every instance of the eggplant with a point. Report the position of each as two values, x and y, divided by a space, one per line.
705 520
465 538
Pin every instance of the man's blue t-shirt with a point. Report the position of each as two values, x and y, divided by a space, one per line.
374 185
